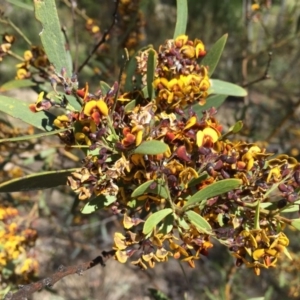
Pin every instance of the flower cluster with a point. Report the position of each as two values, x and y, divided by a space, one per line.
177 181
7 41
35 57
130 14
16 241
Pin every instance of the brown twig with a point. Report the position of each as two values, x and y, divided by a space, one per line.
27 290
264 76
229 279
103 39
288 117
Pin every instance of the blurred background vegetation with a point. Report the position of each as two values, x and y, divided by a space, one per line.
262 54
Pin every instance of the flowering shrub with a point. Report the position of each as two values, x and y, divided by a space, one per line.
16 263
156 155
178 182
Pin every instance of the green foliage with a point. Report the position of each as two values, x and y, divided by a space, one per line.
220 87
51 35
16 84
154 219
156 187
19 109
200 223
213 190
97 203
38 181
213 56
157 295
151 64
182 18
151 148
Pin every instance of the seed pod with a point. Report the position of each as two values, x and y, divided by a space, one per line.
282 187
297 177
281 203
292 197
224 174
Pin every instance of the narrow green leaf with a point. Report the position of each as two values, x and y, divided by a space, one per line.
145 92
167 225
220 219
211 101
130 70
152 147
198 221
16 84
256 216
19 109
97 203
183 224
152 186
157 295
104 87
21 4
33 136
215 189
130 106
154 219
151 65
181 18
198 180
296 223
221 87
256 298
237 127
51 35
37 181
211 59
291 208
73 102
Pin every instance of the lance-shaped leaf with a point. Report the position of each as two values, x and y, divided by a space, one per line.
211 59
167 224
51 35
16 84
154 219
296 223
221 87
32 136
74 102
19 109
21 4
197 220
214 189
131 72
97 203
152 186
181 18
151 65
236 127
104 87
152 147
130 106
37 181
211 101
158 295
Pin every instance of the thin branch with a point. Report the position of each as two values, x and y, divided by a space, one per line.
287 118
27 290
264 76
7 21
103 39
79 12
